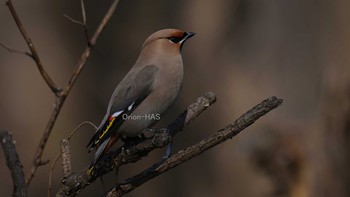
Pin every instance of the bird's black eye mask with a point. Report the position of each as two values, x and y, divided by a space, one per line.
178 38
181 39
175 39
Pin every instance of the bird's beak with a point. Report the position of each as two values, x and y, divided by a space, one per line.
187 35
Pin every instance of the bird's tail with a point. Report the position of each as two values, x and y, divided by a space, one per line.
90 170
101 148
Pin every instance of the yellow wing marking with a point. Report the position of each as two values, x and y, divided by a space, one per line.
108 126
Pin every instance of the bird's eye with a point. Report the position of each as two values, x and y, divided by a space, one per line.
174 39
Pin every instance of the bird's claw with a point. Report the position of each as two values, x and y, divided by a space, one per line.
161 137
168 151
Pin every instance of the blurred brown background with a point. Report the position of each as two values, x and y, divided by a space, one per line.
244 51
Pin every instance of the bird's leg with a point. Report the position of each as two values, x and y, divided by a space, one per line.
168 151
161 138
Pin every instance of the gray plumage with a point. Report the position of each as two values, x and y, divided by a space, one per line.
150 87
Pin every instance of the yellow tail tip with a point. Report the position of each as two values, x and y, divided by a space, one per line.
90 170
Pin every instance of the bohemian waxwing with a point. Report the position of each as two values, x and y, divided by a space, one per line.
150 87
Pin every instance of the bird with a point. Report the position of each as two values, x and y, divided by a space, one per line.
147 91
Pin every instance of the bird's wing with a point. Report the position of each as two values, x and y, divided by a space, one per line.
130 92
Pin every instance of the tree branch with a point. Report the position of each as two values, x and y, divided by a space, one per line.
74 183
33 51
86 54
73 20
83 15
60 99
66 158
181 156
66 149
15 51
14 164
83 22
37 161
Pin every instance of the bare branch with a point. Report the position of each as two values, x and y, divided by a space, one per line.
15 51
65 149
50 174
60 99
86 54
181 156
82 23
73 20
74 183
66 158
40 150
34 53
79 126
14 164
83 14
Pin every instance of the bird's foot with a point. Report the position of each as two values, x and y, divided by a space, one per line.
162 138
168 151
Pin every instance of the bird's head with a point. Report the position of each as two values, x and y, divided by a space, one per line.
168 38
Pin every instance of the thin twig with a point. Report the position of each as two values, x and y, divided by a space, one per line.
63 95
14 164
82 23
59 155
86 54
73 20
83 14
33 51
79 126
15 51
103 184
50 174
184 155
